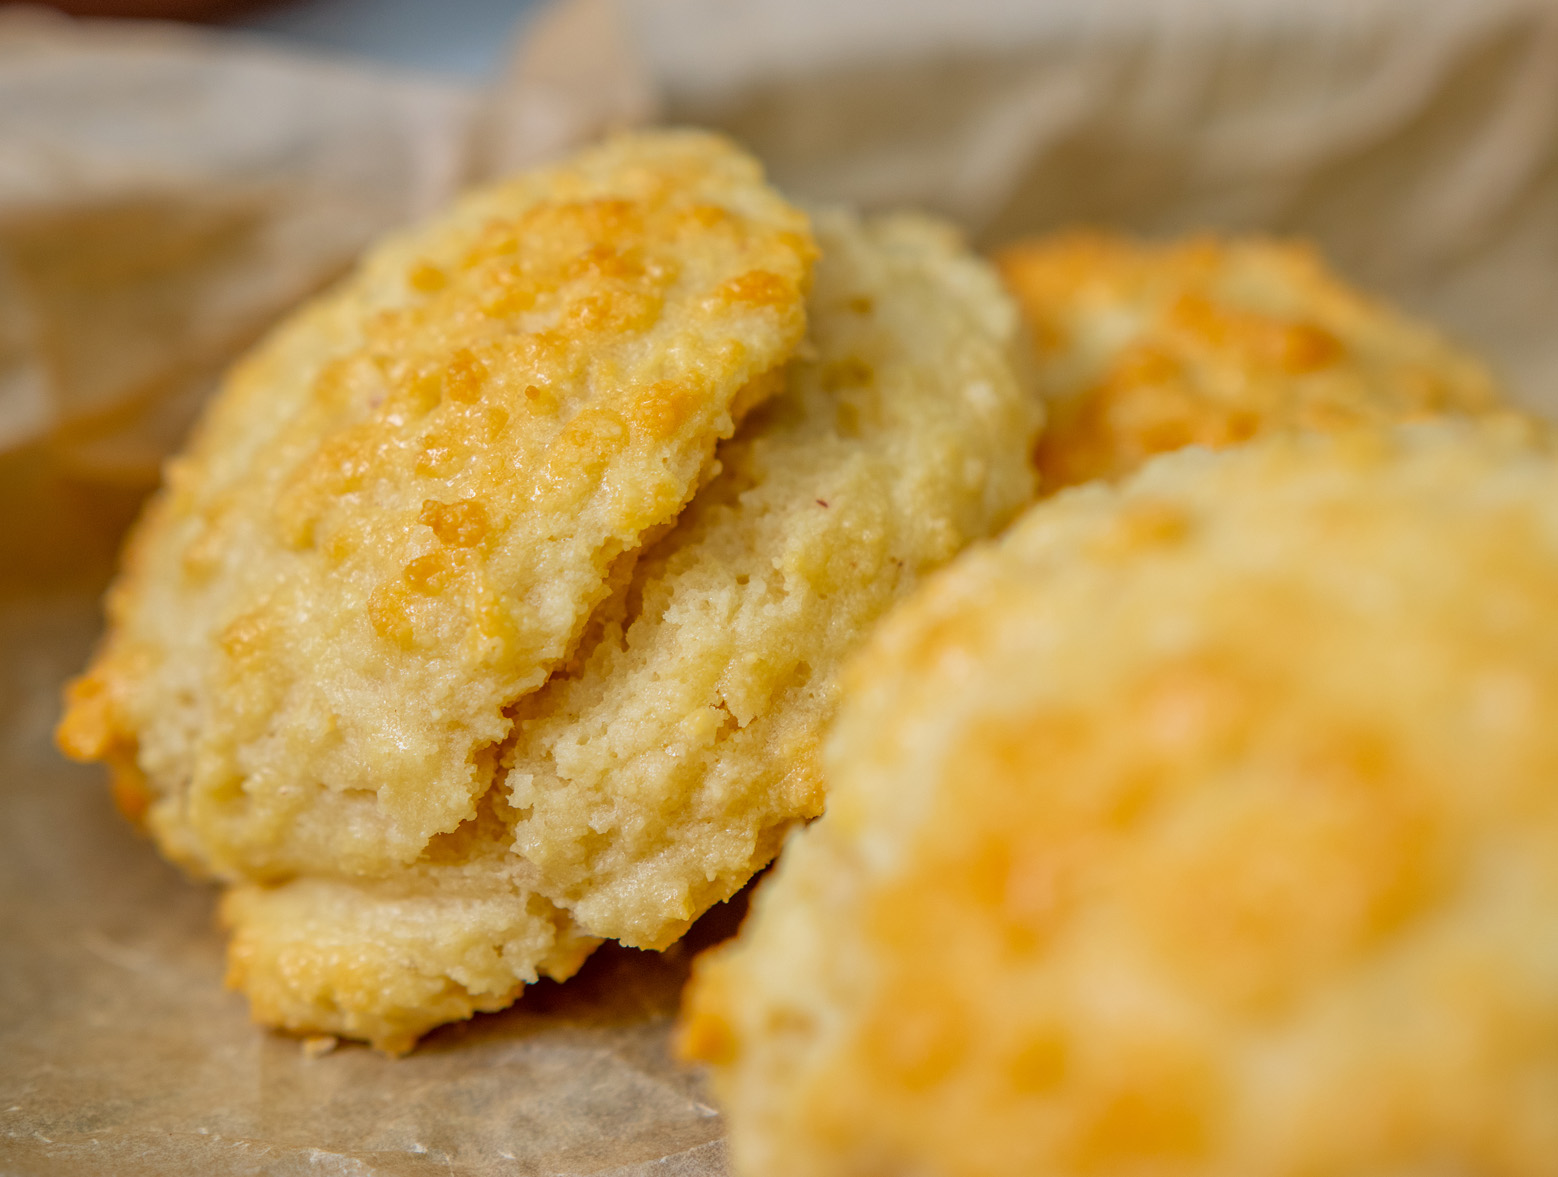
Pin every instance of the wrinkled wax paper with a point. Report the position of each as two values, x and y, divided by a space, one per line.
166 194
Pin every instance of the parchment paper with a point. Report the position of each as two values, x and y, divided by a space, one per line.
164 195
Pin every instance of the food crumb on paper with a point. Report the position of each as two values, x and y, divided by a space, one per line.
319 1044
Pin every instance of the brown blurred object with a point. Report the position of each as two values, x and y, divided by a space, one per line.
191 10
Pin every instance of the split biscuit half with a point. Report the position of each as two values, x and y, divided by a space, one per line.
657 771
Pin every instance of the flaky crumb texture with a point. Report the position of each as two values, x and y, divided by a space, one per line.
659 771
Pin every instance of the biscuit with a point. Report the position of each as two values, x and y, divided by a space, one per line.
388 959
1203 825
401 510
1147 348
659 768
658 775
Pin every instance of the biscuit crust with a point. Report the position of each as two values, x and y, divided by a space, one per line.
1146 348
402 508
659 769
387 959
1203 826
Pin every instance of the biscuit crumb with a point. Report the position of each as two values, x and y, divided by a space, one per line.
316 1045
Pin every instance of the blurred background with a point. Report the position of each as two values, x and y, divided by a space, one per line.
169 187
458 38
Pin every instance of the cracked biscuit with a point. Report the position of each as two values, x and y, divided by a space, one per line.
659 766
400 511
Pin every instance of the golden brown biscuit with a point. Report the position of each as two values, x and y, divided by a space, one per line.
1147 348
401 510
657 771
1206 825
387 959
661 772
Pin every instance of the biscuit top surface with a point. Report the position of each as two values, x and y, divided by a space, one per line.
1203 826
401 509
1147 347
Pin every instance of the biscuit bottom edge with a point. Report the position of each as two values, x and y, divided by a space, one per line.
380 961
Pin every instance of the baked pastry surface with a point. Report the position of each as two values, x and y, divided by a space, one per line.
1206 824
401 510
660 763
1148 347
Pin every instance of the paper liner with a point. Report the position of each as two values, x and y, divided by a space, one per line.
165 194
